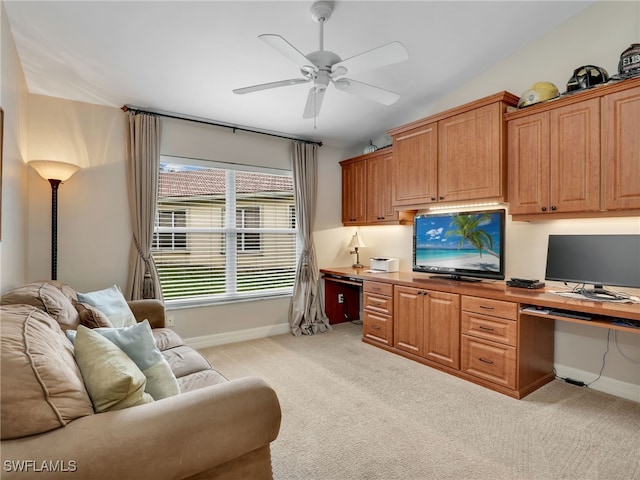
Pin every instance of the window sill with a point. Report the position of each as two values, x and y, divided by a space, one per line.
212 302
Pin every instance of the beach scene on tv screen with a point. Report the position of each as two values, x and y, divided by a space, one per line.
467 242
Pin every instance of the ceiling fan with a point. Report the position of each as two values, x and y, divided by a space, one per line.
323 67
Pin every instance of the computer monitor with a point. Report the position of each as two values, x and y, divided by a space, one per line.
598 260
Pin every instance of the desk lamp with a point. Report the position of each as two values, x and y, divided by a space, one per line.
56 173
356 243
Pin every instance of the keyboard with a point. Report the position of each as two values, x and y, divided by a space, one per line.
569 314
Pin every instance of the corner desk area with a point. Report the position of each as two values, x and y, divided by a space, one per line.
485 332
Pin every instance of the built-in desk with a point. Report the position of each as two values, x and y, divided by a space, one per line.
484 332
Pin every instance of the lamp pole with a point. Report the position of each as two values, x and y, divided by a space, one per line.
54 227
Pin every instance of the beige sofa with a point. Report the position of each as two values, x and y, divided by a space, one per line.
214 428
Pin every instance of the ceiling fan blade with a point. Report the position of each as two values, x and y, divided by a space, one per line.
314 102
289 51
376 94
266 86
388 54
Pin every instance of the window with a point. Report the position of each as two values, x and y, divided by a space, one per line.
223 233
171 240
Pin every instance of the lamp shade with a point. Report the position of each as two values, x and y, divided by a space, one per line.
54 170
356 241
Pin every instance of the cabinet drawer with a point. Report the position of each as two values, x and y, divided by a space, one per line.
489 361
379 288
377 327
490 328
378 303
486 306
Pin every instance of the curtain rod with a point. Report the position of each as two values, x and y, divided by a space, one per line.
130 108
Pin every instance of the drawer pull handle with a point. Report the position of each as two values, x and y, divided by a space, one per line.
482 327
484 360
375 327
486 307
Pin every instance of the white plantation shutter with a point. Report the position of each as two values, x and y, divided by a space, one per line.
223 233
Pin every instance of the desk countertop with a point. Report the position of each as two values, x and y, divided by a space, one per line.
498 290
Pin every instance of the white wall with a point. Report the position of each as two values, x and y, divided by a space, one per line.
94 229
13 99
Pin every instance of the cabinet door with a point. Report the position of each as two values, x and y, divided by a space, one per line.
621 148
415 160
408 333
574 167
442 328
354 192
529 164
379 189
470 163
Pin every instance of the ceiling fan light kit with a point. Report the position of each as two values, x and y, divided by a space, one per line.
323 67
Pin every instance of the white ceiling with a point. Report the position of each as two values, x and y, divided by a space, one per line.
186 57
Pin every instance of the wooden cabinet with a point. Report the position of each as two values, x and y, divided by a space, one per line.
377 312
457 155
503 349
354 191
576 156
367 190
470 155
621 149
415 166
427 324
554 160
379 205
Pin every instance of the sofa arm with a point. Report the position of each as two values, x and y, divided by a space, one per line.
173 438
152 310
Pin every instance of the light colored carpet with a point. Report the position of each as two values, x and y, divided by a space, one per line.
353 411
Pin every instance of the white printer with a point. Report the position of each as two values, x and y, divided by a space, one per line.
384 264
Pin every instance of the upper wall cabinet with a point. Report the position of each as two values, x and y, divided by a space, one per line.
366 190
457 155
577 156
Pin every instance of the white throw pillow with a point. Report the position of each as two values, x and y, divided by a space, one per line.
112 303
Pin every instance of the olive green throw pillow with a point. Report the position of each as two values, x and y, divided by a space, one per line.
112 379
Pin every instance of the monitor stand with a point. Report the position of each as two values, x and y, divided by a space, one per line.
457 278
601 293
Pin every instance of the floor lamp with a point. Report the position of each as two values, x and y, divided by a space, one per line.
56 173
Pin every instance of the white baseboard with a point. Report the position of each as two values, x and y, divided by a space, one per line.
604 384
237 336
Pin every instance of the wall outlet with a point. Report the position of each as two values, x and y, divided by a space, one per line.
170 321
341 298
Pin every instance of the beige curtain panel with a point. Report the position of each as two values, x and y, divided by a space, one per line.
143 164
306 311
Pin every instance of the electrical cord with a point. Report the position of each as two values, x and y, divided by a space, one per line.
603 360
615 340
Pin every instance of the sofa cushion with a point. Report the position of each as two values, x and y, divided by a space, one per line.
185 360
166 338
53 297
140 346
41 386
91 317
112 303
112 379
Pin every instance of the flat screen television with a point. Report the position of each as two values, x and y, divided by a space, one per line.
463 245
597 260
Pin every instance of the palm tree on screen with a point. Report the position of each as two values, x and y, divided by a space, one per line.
468 228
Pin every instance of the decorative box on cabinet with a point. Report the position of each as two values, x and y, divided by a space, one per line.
457 155
378 312
576 156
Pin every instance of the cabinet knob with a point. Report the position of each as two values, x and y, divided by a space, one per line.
440 198
544 209
553 207
433 199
